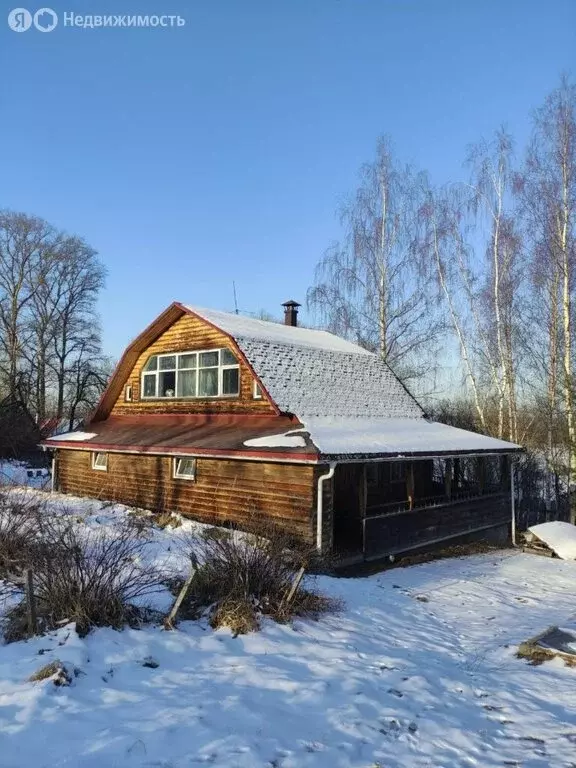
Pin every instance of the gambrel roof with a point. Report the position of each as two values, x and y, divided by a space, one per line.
332 400
315 373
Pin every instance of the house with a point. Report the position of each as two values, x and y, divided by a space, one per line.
219 417
19 434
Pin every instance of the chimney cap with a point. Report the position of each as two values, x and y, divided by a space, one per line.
291 303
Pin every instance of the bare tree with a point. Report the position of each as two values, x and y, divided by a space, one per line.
23 244
370 286
547 189
81 277
49 283
499 310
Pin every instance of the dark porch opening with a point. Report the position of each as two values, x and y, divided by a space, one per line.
387 507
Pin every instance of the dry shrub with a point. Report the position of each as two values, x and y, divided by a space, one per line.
241 575
87 577
19 515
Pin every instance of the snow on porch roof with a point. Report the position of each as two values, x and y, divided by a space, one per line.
398 437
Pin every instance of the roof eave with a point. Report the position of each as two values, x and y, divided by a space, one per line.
303 457
343 458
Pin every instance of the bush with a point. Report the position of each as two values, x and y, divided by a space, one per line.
19 515
240 576
87 577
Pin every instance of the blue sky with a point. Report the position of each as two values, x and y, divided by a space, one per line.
191 157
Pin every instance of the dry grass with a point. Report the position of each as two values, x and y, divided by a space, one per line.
55 669
536 655
167 520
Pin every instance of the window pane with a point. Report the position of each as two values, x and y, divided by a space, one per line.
185 467
167 384
227 358
150 385
186 383
152 363
187 361
101 460
168 363
208 358
230 381
208 382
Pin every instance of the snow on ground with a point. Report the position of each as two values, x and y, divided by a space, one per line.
559 536
418 670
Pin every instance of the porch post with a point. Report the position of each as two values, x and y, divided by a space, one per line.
410 484
512 503
363 490
448 479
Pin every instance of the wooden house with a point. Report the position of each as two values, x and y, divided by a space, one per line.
220 417
19 434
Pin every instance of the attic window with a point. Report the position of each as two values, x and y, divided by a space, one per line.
184 468
206 373
100 462
256 391
128 394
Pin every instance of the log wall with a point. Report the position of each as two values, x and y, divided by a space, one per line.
190 334
225 491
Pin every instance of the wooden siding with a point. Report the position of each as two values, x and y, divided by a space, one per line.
189 334
225 491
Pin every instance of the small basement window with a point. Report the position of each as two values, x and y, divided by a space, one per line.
100 461
256 391
184 468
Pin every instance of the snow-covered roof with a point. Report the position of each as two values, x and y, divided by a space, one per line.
314 373
397 437
248 328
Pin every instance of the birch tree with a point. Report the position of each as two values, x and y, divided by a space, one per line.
547 188
498 310
370 286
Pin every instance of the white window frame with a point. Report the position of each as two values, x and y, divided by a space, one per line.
221 367
128 393
175 465
95 465
256 391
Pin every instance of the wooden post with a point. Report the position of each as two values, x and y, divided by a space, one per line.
30 601
363 490
456 478
169 620
448 479
481 469
410 484
293 589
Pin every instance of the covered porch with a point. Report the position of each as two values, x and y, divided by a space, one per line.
384 507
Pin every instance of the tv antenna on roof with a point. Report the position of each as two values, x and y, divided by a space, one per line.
236 310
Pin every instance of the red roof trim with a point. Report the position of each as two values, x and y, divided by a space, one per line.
181 450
